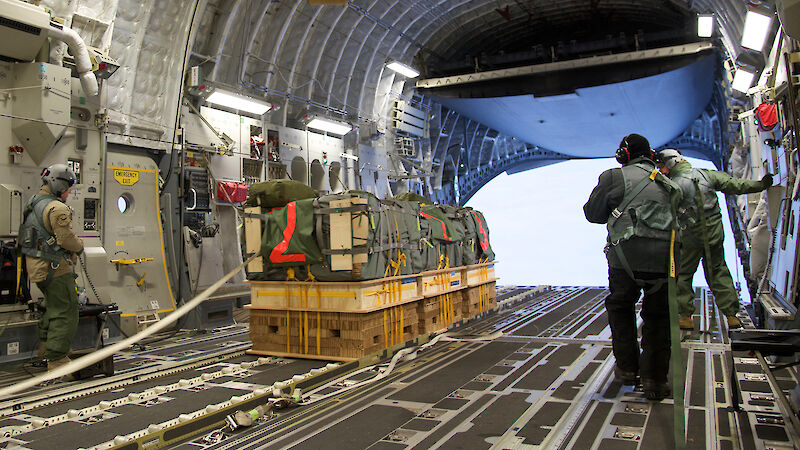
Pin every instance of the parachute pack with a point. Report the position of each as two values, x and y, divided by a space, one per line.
355 236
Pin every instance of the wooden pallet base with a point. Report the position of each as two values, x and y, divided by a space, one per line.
346 336
478 299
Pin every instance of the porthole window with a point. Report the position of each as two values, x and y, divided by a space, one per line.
125 203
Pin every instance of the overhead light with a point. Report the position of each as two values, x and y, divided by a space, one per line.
331 126
705 25
742 80
756 27
403 69
238 102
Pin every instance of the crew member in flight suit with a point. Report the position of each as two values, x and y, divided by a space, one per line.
638 205
51 249
696 228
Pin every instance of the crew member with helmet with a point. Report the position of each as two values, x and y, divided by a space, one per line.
51 249
638 205
702 234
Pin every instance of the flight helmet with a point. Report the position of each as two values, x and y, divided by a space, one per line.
58 178
669 157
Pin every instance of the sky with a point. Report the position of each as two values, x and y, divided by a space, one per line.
539 233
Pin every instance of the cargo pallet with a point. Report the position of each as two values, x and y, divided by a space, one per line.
345 321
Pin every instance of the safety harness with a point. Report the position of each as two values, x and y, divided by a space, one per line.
617 235
35 240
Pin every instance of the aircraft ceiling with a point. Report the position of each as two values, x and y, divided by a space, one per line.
312 58
306 57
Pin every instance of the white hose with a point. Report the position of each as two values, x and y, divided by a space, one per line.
95 357
82 61
446 337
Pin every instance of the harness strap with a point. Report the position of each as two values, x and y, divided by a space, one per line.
354 208
678 369
620 209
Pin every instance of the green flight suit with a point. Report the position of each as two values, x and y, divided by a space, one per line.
58 324
692 249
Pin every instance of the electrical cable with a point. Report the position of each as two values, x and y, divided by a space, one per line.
105 352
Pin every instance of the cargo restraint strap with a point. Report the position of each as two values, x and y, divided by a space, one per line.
304 295
393 324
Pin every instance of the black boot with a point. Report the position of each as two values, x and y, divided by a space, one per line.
655 390
625 377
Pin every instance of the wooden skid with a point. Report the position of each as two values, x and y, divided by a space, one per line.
369 295
349 320
363 296
331 334
478 299
437 282
344 336
478 274
439 312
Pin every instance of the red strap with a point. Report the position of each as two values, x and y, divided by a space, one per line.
485 241
277 254
444 228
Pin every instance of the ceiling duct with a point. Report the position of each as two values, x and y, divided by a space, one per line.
23 29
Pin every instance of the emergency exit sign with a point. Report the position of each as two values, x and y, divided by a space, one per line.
126 177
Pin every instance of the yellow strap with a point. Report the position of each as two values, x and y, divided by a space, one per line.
672 254
441 310
401 262
449 309
127 262
19 276
290 276
310 276
318 325
388 266
653 174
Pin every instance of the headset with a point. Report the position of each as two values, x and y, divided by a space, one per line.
623 155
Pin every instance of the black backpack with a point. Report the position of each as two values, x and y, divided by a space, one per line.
8 275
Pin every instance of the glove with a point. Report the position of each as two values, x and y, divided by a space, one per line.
767 180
